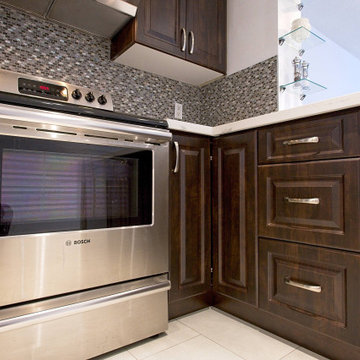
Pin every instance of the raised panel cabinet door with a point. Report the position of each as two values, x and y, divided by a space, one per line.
190 240
160 25
234 216
206 29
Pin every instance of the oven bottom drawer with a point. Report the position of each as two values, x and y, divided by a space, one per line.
315 287
85 325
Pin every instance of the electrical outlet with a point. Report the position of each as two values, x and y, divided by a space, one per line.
178 111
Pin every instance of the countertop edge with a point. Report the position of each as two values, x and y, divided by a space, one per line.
330 105
190 127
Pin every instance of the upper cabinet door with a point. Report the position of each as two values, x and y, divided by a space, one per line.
160 25
206 29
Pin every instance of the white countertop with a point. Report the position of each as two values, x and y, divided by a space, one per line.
335 104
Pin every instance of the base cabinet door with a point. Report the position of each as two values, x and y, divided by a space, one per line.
234 220
190 241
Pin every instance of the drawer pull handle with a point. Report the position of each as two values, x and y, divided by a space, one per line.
311 201
313 288
309 140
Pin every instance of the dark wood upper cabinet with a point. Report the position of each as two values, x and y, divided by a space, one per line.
160 23
190 238
234 219
206 29
194 30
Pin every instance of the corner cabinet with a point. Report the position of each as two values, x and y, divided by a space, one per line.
191 30
234 217
285 231
190 238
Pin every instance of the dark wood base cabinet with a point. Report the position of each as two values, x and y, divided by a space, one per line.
330 347
311 286
234 216
190 239
286 231
308 252
312 202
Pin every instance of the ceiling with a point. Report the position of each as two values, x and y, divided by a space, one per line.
337 20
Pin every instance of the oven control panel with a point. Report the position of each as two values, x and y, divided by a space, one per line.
34 86
42 89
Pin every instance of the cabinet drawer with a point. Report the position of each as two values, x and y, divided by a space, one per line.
312 286
314 202
332 136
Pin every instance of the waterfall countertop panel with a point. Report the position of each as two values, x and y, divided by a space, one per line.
330 105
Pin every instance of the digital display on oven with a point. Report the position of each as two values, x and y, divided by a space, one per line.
42 89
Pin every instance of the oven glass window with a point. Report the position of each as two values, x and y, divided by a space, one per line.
49 186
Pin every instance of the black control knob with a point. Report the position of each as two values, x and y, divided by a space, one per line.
76 94
89 97
102 100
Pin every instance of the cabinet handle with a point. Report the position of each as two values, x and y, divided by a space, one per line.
309 140
177 150
313 288
183 33
192 37
311 201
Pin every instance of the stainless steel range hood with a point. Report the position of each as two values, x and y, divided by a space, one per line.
100 17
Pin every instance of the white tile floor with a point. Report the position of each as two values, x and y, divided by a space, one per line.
213 335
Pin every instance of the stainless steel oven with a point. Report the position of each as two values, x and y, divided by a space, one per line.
83 225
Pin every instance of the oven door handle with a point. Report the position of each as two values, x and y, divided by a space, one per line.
80 307
177 154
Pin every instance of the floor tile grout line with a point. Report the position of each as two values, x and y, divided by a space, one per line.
254 327
250 325
293 348
240 357
173 320
170 347
131 355
188 326
216 342
288 354
212 340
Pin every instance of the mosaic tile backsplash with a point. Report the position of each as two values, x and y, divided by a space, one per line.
36 46
247 93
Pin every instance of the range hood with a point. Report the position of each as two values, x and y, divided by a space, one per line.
100 17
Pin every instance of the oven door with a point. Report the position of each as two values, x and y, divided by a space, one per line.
79 209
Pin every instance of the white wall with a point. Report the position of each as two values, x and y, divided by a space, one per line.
252 32
331 64
288 12
333 67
